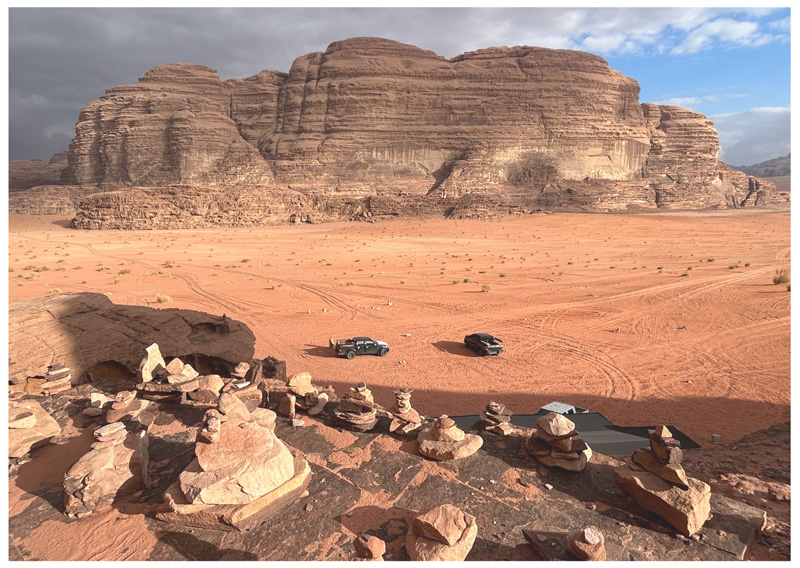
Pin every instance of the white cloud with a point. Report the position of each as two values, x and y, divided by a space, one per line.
753 136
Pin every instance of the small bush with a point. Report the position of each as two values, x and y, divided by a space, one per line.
710 260
456 281
30 267
350 283
79 267
466 280
502 275
486 288
169 264
163 299
781 276
747 264
402 282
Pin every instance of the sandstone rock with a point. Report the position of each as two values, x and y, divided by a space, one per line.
686 510
174 366
300 384
24 174
319 405
105 473
265 418
779 492
241 370
151 362
233 408
587 544
246 463
662 431
671 473
666 450
555 424
369 547
447 450
84 329
444 523
213 383
422 548
287 405
34 427
445 430
568 464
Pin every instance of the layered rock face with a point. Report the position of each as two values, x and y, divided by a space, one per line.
24 174
374 117
173 126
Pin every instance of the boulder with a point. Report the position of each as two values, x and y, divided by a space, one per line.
447 450
247 462
672 473
684 509
233 408
587 544
445 523
107 472
151 363
369 547
555 424
34 427
422 548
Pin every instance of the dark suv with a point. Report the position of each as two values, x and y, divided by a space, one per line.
359 346
484 344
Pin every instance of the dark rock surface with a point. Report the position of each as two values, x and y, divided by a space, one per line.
373 483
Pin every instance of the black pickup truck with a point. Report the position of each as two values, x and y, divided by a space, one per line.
484 344
359 346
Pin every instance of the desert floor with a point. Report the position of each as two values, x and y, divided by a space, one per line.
703 340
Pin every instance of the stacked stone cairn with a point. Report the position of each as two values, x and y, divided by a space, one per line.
587 544
405 419
357 410
241 473
29 426
57 379
178 382
115 465
496 418
556 443
443 532
121 407
445 441
656 481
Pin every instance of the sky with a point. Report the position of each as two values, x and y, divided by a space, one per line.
731 64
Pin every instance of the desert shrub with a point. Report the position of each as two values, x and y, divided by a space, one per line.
502 275
125 271
486 288
456 281
163 299
781 276
350 283
30 267
466 280
533 169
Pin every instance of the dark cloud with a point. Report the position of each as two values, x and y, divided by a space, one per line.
60 59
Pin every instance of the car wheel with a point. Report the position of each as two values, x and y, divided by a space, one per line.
350 354
382 352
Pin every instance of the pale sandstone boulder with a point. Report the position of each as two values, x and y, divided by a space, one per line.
246 463
233 408
447 450
447 526
151 363
555 424
587 544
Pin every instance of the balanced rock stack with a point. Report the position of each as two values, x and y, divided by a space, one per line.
496 418
406 419
57 379
556 443
307 396
241 473
587 544
357 409
29 426
444 533
178 382
656 480
445 441
245 383
115 465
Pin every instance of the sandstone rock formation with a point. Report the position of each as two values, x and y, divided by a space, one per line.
373 118
445 441
656 480
241 472
29 426
116 465
82 330
442 533
24 174
555 442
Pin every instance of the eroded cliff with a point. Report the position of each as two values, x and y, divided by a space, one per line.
374 117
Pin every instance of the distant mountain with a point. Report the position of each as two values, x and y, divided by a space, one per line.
771 168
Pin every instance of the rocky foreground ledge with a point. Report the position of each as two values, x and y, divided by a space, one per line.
370 484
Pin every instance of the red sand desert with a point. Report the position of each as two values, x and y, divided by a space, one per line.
703 340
